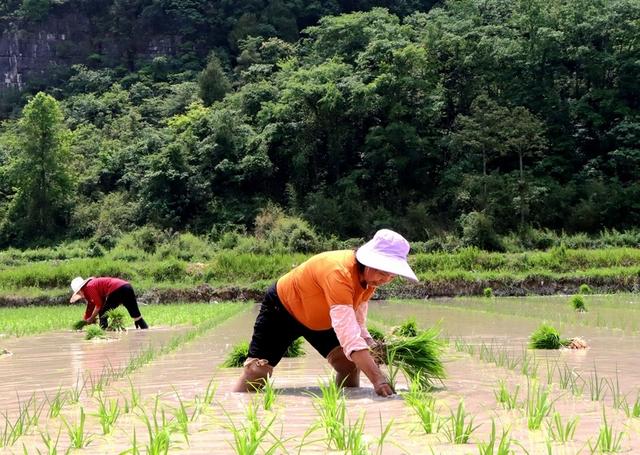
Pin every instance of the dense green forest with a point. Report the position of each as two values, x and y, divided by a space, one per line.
475 117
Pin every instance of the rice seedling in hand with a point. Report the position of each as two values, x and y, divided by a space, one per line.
546 337
409 328
376 333
237 356
115 320
295 349
78 325
418 356
95 332
577 303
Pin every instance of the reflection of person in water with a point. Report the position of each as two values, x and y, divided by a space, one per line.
325 300
103 294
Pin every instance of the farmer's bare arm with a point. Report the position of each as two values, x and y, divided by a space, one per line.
364 361
91 319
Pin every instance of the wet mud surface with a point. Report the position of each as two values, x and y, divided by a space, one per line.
42 364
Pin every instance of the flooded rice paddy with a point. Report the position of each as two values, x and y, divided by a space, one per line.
48 382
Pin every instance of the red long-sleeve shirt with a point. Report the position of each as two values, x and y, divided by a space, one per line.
97 290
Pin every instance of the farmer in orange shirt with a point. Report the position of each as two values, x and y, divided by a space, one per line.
325 300
103 294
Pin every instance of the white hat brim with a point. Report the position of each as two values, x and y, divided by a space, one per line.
389 264
76 295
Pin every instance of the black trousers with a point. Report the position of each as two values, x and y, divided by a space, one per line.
124 295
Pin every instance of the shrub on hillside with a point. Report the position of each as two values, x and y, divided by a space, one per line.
478 231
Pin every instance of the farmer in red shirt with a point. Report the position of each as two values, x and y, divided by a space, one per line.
103 294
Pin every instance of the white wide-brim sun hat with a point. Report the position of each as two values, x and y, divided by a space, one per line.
387 251
76 286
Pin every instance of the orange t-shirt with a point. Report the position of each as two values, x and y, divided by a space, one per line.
326 279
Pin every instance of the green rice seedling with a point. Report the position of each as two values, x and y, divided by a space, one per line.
560 431
577 303
550 370
237 356
505 398
418 356
424 406
133 400
78 325
50 444
11 432
32 411
566 376
487 292
546 337
269 394
56 403
210 392
408 328
619 399
504 445
76 433
376 333
181 418
597 385
632 411
108 413
392 369
538 405
585 289
332 409
384 432
528 364
159 431
294 349
354 441
249 436
94 332
459 427
609 440
115 320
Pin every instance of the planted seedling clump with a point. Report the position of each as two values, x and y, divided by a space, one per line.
577 302
95 332
547 337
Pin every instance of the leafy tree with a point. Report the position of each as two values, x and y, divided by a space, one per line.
213 82
39 207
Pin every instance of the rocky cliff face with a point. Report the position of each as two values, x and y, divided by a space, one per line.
29 51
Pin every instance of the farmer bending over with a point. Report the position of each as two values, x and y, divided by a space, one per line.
103 294
325 300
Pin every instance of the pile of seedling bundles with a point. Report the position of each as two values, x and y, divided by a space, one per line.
548 337
416 353
115 323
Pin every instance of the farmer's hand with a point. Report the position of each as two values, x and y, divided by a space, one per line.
383 389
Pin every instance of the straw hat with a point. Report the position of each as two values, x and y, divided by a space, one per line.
387 251
76 286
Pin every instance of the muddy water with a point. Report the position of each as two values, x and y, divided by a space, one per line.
44 363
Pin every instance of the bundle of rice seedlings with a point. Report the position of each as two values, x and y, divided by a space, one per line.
408 328
577 302
78 325
115 320
295 350
546 337
95 331
376 333
419 356
237 356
